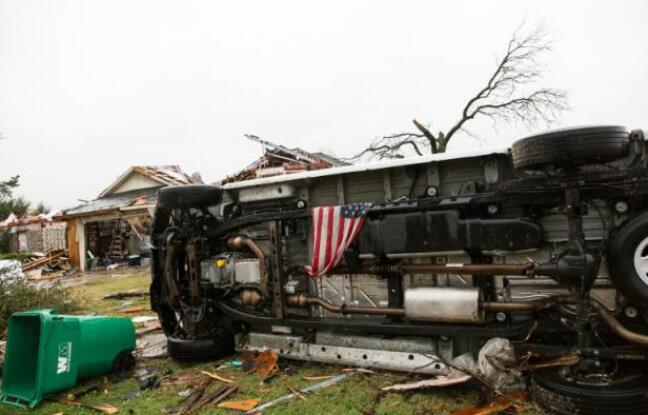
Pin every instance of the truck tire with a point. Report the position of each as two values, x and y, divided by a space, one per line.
188 196
627 259
571 147
196 350
555 394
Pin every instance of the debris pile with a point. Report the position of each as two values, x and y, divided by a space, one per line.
204 388
36 266
277 160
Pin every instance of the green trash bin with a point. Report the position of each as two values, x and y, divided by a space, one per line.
48 353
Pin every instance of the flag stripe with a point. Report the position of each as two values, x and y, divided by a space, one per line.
333 229
316 238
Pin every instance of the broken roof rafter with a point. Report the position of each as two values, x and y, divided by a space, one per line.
284 160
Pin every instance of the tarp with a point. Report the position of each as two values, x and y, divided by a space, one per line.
10 270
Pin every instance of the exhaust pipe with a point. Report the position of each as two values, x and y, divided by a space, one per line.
303 301
616 327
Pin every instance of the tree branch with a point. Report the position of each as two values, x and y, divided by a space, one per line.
431 139
509 95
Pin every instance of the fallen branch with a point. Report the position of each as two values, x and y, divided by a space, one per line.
122 295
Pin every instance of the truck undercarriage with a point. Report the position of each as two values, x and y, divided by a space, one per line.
545 245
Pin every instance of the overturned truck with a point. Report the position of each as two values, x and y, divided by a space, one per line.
406 264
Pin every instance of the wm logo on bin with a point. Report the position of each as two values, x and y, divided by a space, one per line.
64 357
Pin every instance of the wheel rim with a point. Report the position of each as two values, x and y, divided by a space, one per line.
641 260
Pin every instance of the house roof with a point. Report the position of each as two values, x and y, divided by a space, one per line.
142 198
13 221
164 175
118 197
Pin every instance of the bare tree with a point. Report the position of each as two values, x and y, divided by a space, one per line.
510 95
40 208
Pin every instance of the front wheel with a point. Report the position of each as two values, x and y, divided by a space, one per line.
199 349
208 339
625 391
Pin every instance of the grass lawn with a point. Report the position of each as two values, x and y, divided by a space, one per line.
351 396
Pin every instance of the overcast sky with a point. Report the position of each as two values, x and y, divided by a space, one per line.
89 88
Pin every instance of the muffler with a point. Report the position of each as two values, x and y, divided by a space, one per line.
444 304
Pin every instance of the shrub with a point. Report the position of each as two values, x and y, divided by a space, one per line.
20 256
20 296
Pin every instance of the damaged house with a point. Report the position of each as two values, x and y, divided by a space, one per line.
114 227
277 160
34 233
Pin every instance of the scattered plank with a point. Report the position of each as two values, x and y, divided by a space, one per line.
243 406
216 377
324 377
104 408
42 261
439 381
307 389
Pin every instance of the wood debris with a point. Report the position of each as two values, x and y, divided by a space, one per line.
127 294
182 378
307 389
439 381
216 377
149 327
42 261
152 345
324 377
501 404
243 406
193 397
297 393
264 364
103 408
211 398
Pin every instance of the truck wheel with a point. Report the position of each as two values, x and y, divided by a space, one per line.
571 147
627 259
626 392
187 196
199 350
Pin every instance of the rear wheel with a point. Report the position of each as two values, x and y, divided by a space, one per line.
559 393
628 260
571 147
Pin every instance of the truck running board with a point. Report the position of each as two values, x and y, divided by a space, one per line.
418 360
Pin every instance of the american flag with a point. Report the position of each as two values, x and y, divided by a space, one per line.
333 229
